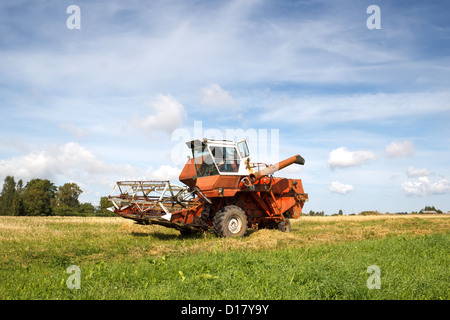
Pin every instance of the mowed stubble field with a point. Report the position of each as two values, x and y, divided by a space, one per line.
321 258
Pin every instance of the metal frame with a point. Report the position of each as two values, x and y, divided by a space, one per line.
147 196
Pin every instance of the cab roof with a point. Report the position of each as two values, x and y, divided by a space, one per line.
200 143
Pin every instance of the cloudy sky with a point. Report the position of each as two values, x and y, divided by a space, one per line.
369 109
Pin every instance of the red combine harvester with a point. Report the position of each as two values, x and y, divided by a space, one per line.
224 192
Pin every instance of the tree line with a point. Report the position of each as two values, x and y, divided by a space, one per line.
427 209
41 197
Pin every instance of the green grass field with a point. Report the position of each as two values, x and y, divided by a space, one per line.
322 258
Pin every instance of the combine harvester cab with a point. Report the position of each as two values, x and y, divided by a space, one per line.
224 192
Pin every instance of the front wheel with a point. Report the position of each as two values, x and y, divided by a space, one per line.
231 221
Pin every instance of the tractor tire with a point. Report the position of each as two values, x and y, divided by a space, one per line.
285 226
230 221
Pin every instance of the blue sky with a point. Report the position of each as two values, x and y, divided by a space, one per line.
369 110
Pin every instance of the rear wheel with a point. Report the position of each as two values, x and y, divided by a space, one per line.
231 221
285 226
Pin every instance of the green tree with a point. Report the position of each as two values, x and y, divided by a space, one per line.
11 203
6 196
67 195
18 207
105 203
37 197
430 208
87 209
103 208
318 213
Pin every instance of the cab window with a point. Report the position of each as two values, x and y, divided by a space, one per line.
226 159
243 149
204 164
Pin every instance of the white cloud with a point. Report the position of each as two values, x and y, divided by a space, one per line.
214 95
166 172
343 158
168 115
73 162
51 162
400 149
414 173
337 187
423 186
